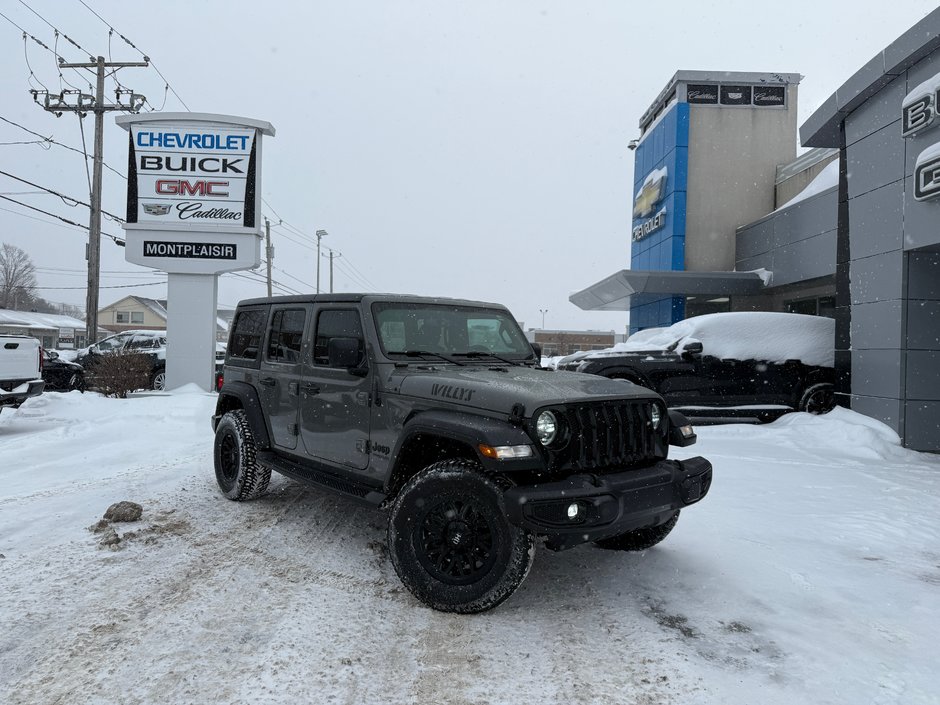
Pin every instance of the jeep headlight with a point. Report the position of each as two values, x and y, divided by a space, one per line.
546 427
656 416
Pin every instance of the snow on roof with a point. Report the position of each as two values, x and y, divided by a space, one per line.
826 179
30 319
743 335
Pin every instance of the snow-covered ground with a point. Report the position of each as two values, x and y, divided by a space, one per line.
810 574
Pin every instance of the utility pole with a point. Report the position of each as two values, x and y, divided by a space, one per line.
320 235
268 251
331 256
543 311
58 104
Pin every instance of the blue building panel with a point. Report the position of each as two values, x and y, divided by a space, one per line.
665 146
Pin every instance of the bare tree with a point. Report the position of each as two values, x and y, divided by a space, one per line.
17 276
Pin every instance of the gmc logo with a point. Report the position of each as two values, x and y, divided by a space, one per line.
927 178
182 187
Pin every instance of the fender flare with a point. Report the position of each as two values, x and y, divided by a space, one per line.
470 430
628 373
249 402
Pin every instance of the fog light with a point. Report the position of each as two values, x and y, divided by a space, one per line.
573 510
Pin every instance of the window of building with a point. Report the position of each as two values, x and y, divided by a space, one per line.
137 316
47 342
286 337
121 317
335 323
815 306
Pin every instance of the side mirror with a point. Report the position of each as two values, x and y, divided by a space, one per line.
681 433
537 349
344 353
53 355
693 348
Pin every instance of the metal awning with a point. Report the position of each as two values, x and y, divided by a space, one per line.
618 291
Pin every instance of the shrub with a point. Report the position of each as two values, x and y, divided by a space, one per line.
119 373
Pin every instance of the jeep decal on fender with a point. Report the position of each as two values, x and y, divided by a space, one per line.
449 391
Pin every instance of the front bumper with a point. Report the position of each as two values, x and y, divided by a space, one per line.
608 505
22 392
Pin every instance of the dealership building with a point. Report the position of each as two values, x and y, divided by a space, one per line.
726 217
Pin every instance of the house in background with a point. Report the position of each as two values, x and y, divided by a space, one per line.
140 313
53 330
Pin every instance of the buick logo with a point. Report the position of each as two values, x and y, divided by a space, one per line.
156 208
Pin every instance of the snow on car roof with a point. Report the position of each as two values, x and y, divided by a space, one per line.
743 335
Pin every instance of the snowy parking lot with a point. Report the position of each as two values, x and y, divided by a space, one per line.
810 574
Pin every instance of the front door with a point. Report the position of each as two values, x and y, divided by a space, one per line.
335 404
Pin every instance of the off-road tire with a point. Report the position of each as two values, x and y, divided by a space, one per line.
158 379
450 541
237 470
817 399
640 539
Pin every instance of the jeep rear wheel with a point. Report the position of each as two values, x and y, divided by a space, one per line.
158 380
450 541
640 539
237 470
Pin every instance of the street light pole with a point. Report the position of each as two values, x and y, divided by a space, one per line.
543 311
320 235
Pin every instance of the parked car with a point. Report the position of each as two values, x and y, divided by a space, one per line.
727 365
148 342
436 410
61 375
20 369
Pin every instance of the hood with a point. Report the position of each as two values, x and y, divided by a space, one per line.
499 389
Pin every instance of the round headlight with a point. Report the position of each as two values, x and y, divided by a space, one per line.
546 427
656 416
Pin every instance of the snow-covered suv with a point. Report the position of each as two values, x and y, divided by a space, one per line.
435 410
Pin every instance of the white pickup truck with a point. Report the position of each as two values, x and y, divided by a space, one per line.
20 369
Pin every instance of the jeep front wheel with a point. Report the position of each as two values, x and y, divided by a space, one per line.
640 539
237 470
450 541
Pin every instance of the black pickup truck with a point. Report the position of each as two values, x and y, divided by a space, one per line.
436 411
739 365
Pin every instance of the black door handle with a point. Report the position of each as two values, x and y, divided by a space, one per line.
310 388
267 381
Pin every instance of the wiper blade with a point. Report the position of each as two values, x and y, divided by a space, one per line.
428 353
475 354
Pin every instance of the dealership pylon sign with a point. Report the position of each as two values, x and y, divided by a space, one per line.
193 191
193 211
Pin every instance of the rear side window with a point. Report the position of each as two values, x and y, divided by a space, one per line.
335 324
246 334
287 333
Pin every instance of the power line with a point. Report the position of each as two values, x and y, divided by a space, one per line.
55 29
117 240
59 144
134 47
115 286
62 196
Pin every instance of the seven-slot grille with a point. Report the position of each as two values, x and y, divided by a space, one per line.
608 434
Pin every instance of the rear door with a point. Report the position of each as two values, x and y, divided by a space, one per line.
280 374
335 405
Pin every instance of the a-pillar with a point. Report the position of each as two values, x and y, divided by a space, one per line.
191 326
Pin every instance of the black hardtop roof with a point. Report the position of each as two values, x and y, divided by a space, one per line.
358 298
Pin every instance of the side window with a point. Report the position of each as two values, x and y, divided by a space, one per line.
246 334
331 324
287 332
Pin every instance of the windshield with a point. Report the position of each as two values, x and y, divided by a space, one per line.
449 330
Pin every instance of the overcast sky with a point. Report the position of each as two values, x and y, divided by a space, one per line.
468 149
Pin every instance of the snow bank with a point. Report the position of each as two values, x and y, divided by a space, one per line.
826 179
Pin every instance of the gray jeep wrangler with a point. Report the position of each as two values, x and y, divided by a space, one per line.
436 411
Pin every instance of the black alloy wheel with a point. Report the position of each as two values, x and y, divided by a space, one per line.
450 541
818 399
237 471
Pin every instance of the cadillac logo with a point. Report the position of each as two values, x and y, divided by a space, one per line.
156 208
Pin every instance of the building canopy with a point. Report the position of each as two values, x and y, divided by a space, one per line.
618 291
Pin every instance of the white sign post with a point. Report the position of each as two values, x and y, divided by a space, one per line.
193 211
